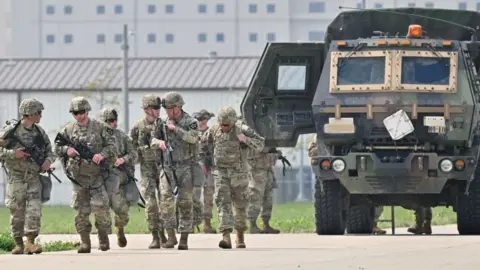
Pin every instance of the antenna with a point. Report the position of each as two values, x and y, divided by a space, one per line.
472 30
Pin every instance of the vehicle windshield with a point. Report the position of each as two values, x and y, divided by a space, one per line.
361 70
425 70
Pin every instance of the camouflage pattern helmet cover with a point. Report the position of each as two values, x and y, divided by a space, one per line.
203 115
151 100
227 116
30 106
79 104
107 114
173 99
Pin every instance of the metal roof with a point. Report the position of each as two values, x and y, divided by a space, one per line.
144 73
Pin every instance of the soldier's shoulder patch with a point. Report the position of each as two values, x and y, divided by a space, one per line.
193 125
109 130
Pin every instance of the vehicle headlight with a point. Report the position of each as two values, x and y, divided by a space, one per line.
338 165
446 165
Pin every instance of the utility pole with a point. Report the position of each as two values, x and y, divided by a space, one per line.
125 102
364 4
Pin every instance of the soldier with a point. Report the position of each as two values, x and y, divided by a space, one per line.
89 185
24 189
127 156
182 134
378 213
203 116
140 134
228 142
261 189
423 221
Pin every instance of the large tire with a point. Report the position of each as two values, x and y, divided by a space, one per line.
468 209
329 218
360 219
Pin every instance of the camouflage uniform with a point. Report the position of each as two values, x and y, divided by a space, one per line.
89 183
24 189
183 140
423 221
118 201
261 190
209 185
150 174
229 171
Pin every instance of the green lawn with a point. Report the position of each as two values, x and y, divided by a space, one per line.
289 218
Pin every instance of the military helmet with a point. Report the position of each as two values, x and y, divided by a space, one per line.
30 106
203 115
108 114
151 100
79 104
227 116
172 99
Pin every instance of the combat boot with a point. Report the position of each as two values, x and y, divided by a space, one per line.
254 228
31 247
183 242
163 238
172 239
85 246
377 230
268 229
226 242
240 240
417 229
207 227
121 239
155 240
18 249
427 228
103 241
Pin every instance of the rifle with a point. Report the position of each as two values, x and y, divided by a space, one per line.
35 154
282 158
169 155
130 177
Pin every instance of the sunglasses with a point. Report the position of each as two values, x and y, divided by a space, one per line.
78 112
225 125
111 120
155 107
39 113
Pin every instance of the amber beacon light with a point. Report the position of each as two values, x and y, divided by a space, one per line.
414 31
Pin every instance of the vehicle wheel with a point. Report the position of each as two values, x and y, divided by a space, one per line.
468 209
329 218
360 219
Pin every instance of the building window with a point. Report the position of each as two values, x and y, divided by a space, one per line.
202 8
118 9
462 5
118 38
169 38
316 35
270 8
67 10
271 37
252 37
50 10
151 38
202 37
429 5
220 37
411 5
100 9
478 6
316 7
220 8
100 38
169 9
68 39
50 39
378 5
252 8
151 9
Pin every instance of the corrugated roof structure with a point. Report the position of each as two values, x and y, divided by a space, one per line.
144 73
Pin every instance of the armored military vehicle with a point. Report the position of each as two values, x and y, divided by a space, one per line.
393 96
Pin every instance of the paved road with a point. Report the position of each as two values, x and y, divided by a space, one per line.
279 252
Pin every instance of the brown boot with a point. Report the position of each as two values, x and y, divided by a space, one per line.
427 227
163 238
377 230
121 239
31 247
254 228
103 241
226 242
155 240
417 229
268 229
19 247
240 240
172 239
85 245
207 227
183 242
